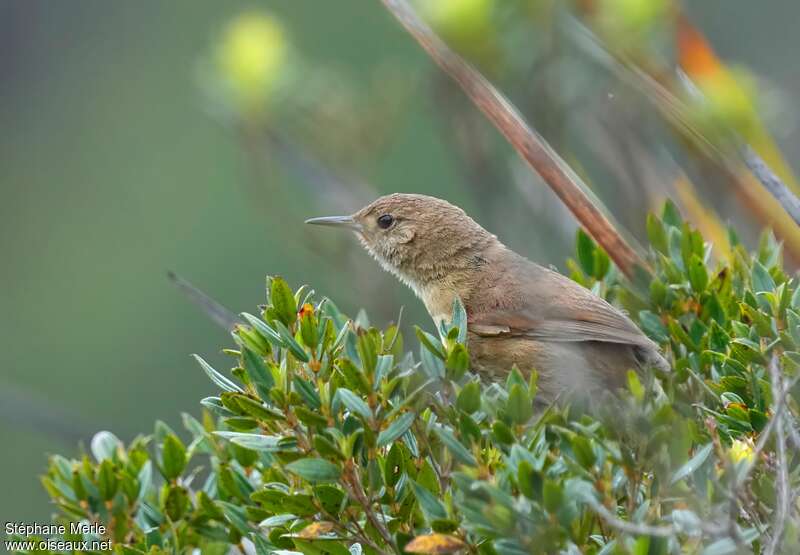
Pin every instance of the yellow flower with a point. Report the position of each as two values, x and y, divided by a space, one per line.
729 96
250 56
741 451
459 20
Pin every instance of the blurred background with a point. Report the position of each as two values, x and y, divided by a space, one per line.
197 136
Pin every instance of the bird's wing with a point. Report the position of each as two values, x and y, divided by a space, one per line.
565 312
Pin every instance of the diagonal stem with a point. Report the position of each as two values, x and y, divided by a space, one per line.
533 148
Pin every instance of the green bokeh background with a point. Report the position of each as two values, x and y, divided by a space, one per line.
111 173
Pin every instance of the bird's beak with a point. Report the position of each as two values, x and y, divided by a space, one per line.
337 221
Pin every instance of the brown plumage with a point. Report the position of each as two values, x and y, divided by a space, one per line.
519 313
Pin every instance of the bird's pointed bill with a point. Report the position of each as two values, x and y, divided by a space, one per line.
336 221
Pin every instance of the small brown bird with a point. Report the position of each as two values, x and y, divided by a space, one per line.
518 313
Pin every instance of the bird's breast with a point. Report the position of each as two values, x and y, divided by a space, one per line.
438 300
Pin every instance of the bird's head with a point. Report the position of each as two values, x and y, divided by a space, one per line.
416 237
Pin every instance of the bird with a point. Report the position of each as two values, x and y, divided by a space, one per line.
519 314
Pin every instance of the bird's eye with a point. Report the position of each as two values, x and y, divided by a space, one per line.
385 221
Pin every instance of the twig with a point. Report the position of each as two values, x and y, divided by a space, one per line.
358 533
778 406
632 527
677 112
22 408
318 177
213 309
641 529
794 435
530 146
771 182
352 483
782 510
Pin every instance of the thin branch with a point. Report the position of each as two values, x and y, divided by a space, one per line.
794 435
771 182
782 510
634 528
642 529
778 406
676 111
527 142
352 483
320 179
211 308
22 408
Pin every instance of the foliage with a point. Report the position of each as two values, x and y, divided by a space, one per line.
329 438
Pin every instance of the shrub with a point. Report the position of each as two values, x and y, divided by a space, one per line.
328 437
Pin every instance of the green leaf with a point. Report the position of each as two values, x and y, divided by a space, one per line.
670 215
552 496
173 457
284 305
354 378
691 244
252 407
307 391
795 302
515 377
431 507
300 504
459 319
264 329
519 406
354 403
176 502
431 364
602 263
235 515
383 368
653 326
104 445
255 442
394 465
309 331
693 464
215 406
315 470
455 447
277 520
585 249
257 370
502 433
145 479
658 292
656 234
291 343
396 429
584 453
698 276
271 498
429 342
762 281
457 361
107 481
469 398
221 381
330 497
310 417
635 386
